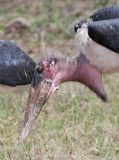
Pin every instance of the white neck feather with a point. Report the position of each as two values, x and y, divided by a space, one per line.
99 56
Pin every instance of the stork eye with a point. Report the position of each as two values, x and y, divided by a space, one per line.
76 27
40 69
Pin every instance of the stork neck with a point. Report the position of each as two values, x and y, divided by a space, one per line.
79 69
76 68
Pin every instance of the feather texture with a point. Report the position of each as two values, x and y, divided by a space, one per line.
106 33
110 12
16 67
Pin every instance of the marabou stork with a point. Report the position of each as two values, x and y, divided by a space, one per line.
98 39
54 70
98 45
16 68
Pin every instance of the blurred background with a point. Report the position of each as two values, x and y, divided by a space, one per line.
74 124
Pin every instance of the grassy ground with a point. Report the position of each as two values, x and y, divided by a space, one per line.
74 124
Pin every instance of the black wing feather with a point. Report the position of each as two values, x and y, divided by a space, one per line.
106 33
110 12
16 67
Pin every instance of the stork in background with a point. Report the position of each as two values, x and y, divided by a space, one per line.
98 45
98 39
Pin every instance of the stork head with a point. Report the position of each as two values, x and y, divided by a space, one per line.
78 26
49 73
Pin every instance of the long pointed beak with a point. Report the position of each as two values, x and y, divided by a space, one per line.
37 98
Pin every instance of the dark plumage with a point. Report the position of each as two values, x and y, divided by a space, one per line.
106 33
103 27
110 12
16 67
98 39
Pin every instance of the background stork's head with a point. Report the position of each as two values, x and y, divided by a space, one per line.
78 26
49 73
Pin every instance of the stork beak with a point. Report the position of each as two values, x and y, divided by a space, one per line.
38 95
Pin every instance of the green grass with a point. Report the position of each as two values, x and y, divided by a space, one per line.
74 124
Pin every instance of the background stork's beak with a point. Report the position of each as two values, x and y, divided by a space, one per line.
38 95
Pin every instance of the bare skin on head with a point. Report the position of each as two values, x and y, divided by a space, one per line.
49 73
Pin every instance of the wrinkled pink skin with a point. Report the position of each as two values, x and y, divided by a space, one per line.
81 72
74 69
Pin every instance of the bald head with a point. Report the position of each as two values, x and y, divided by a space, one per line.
50 72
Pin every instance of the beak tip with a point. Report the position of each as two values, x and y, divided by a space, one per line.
36 100
24 135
